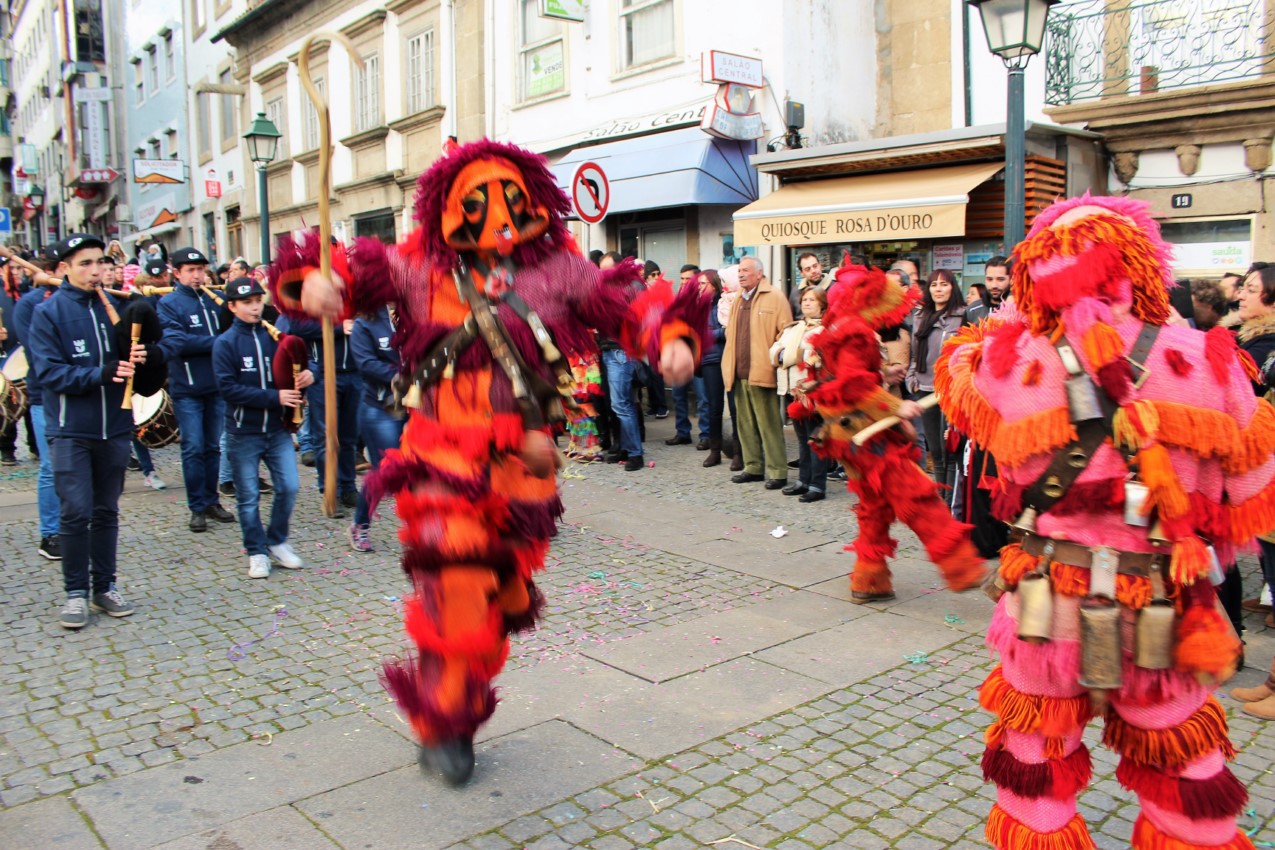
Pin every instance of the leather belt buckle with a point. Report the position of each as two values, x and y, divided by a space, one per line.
1102 572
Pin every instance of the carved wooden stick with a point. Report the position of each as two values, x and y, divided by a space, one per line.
890 421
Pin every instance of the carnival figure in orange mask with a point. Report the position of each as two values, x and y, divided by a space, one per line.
1126 447
492 299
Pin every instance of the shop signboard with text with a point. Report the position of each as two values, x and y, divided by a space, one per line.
922 222
1221 257
546 71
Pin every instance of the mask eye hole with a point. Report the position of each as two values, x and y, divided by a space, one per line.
844 422
514 197
474 204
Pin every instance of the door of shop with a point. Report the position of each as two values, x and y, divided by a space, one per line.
665 244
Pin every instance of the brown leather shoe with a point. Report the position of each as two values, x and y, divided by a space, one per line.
1256 606
1264 709
1254 694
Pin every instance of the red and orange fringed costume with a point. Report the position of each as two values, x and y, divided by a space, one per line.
1092 277
849 395
474 478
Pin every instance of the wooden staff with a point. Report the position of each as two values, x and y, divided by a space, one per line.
325 252
127 403
890 421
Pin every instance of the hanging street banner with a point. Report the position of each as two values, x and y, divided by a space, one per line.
159 171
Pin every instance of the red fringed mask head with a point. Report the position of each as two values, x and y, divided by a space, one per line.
1100 248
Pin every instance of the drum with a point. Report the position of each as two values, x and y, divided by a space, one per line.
13 401
15 366
154 420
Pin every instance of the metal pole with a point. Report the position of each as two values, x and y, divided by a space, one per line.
1015 162
263 200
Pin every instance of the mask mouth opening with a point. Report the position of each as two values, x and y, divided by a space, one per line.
504 240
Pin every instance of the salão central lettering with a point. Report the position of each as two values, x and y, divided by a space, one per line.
813 228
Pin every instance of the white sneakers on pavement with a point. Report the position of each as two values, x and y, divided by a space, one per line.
153 481
258 566
285 557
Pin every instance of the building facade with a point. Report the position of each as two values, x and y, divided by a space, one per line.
390 113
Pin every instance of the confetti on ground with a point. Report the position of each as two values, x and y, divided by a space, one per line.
779 531
240 650
953 620
916 657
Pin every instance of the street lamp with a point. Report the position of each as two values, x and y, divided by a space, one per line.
1015 32
36 195
263 145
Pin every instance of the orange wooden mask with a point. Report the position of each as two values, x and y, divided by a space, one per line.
487 209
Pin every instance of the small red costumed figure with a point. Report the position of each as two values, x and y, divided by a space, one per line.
849 395
493 300
1126 446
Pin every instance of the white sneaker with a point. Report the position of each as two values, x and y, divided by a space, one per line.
1266 594
287 558
154 482
258 566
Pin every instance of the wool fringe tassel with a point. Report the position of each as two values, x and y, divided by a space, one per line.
1052 717
1219 796
1058 779
1147 837
1175 746
1005 833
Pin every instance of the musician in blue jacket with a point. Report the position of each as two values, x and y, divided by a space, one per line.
82 375
255 407
191 326
378 361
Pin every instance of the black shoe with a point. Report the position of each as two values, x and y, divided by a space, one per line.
797 489
702 445
617 456
452 760
51 548
264 486
219 513
133 464
663 414
747 478
198 522
226 488
812 496
794 464
679 440
776 483
634 463
350 498
307 458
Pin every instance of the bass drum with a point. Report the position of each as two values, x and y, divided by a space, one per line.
15 366
154 420
13 402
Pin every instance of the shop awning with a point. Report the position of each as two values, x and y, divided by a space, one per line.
158 230
669 169
919 204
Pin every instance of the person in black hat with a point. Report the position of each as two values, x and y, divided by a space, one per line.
191 327
157 272
82 375
255 431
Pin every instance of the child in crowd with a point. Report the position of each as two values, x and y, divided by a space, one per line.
242 358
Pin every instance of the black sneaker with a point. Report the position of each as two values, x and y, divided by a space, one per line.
219 513
678 440
634 463
133 465
226 488
8 459
112 603
616 456
307 458
51 548
198 522
452 760
350 498
264 486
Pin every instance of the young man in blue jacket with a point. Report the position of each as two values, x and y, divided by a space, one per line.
190 328
46 497
242 358
82 376
378 363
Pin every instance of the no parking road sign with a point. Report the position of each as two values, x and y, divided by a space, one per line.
590 192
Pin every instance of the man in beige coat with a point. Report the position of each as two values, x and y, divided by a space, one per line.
756 319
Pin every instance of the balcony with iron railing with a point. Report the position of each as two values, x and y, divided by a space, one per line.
1101 49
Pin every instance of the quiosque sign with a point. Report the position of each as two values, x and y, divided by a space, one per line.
873 225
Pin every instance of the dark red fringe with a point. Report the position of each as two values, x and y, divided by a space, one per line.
527 620
535 520
1219 796
397 473
420 563
375 287
1058 779
409 681
1116 379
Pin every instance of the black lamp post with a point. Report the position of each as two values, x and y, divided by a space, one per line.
1015 32
37 203
263 145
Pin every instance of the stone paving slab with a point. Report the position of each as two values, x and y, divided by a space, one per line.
515 774
51 824
803 569
175 800
653 720
718 638
283 828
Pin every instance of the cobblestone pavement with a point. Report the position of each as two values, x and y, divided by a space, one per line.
212 660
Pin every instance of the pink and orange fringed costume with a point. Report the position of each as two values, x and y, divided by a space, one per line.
493 299
849 394
1107 609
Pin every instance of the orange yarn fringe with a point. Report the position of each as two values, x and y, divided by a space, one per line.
1173 747
1102 345
1052 717
1190 561
1206 642
1014 442
1214 434
1254 517
1135 425
1156 471
1006 833
1147 837
1132 592
1016 563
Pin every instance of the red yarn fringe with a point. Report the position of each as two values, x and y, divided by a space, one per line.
1059 779
1147 837
1219 796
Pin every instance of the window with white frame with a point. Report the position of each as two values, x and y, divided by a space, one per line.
171 146
647 31
152 71
229 126
542 67
312 116
276 111
367 94
139 82
170 59
420 72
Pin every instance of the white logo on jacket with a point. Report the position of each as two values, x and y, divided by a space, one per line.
247 363
194 320
81 348
384 342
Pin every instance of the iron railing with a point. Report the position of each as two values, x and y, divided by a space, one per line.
1116 48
